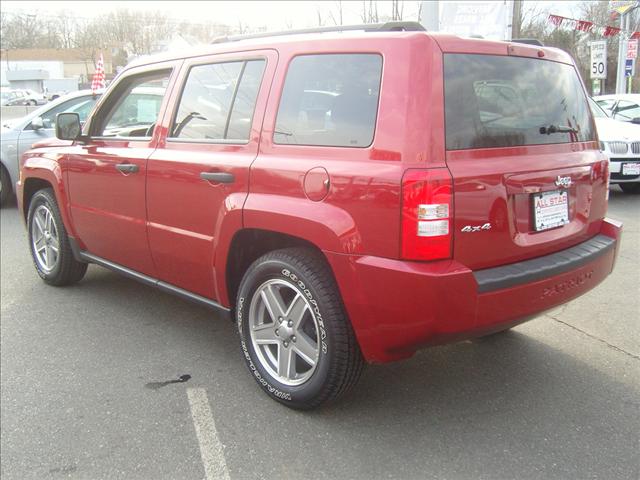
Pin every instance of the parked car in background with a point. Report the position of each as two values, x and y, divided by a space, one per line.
625 107
34 98
620 141
11 98
18 135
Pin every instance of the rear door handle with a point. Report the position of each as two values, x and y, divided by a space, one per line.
127 167
217 177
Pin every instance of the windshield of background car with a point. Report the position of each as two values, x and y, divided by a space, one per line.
81 105
627 110
597 110
500 101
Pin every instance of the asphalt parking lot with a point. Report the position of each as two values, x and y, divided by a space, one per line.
111 379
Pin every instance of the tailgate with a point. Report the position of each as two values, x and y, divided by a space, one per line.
484 193
528 179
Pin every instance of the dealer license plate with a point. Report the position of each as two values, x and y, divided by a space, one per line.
550 210
631 169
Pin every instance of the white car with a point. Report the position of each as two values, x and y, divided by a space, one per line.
620 141
625 107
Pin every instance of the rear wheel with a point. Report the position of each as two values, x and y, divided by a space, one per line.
5 186
630 187
50 248
296 338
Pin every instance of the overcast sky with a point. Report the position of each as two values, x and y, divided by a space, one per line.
275 15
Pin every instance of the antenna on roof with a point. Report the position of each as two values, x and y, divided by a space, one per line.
368 27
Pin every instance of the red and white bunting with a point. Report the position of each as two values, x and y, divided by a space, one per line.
586 26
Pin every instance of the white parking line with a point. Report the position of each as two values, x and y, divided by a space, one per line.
211 451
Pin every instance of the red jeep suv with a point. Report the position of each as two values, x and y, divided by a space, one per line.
346 196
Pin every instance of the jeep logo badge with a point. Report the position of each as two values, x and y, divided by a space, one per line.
563 181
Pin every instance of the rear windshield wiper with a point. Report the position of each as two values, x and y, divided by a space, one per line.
557 129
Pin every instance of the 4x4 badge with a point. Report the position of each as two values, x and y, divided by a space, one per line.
476 228
563 181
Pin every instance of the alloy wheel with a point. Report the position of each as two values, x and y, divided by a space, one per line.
284 332
44 239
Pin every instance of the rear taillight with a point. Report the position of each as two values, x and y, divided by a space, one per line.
427 214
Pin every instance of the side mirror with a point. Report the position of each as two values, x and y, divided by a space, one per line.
37 123
636 120
68 126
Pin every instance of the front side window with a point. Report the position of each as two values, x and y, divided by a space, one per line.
503 101
133 109
218 102
330 100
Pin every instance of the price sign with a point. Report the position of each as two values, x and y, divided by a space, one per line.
598 65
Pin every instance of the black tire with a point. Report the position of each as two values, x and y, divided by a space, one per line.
5 186
339 361
631 188
66 270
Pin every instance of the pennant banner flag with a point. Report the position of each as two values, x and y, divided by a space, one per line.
585 26
98 81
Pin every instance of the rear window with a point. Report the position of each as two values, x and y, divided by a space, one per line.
499 101
330 100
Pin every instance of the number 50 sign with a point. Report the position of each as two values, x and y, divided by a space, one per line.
598 65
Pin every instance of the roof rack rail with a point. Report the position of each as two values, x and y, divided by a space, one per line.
528 41
367 27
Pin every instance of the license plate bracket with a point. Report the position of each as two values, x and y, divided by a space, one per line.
550 209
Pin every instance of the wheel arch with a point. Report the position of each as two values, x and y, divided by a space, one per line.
40 172
247 246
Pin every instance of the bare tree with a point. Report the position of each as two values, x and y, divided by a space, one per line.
397 9
337 17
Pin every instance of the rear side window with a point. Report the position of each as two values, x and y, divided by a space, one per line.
218 102
499 101
330 100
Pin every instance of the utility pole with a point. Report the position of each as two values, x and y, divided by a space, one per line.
516 20
622 55
624 8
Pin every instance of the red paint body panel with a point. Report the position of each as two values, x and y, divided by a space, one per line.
107 206
187 215
166 222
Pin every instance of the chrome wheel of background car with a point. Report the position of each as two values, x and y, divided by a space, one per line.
45 239
284 332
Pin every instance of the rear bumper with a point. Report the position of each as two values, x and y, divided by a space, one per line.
397 307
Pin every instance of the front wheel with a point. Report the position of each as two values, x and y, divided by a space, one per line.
296 338
5 186
50 247
632 188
